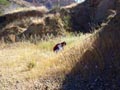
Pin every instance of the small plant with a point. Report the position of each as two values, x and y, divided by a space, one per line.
67 23
31 65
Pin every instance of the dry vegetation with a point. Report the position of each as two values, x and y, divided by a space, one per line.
25 60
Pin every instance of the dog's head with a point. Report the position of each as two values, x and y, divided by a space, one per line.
63 43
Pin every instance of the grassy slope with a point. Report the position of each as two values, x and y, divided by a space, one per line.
24 60
27 61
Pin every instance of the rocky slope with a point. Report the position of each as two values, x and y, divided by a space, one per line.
83 17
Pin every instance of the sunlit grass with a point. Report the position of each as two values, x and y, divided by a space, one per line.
38 58
26 61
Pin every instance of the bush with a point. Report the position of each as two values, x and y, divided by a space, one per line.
67 22
4 2
31 65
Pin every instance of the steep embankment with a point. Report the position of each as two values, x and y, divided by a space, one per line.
87 16
99 65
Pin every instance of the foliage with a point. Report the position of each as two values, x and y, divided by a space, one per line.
67 23
31 65
4 2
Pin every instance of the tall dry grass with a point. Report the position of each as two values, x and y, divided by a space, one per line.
28 60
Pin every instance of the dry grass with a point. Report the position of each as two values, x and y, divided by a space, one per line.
27 60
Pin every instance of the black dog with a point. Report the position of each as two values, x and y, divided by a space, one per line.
59 46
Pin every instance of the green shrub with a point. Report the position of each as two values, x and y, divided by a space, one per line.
31 65
67 22
4 2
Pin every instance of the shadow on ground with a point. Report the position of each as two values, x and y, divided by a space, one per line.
99 68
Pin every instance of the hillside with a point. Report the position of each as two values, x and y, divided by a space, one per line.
51 3
98 67
67 18
89 61
6 6
3 3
